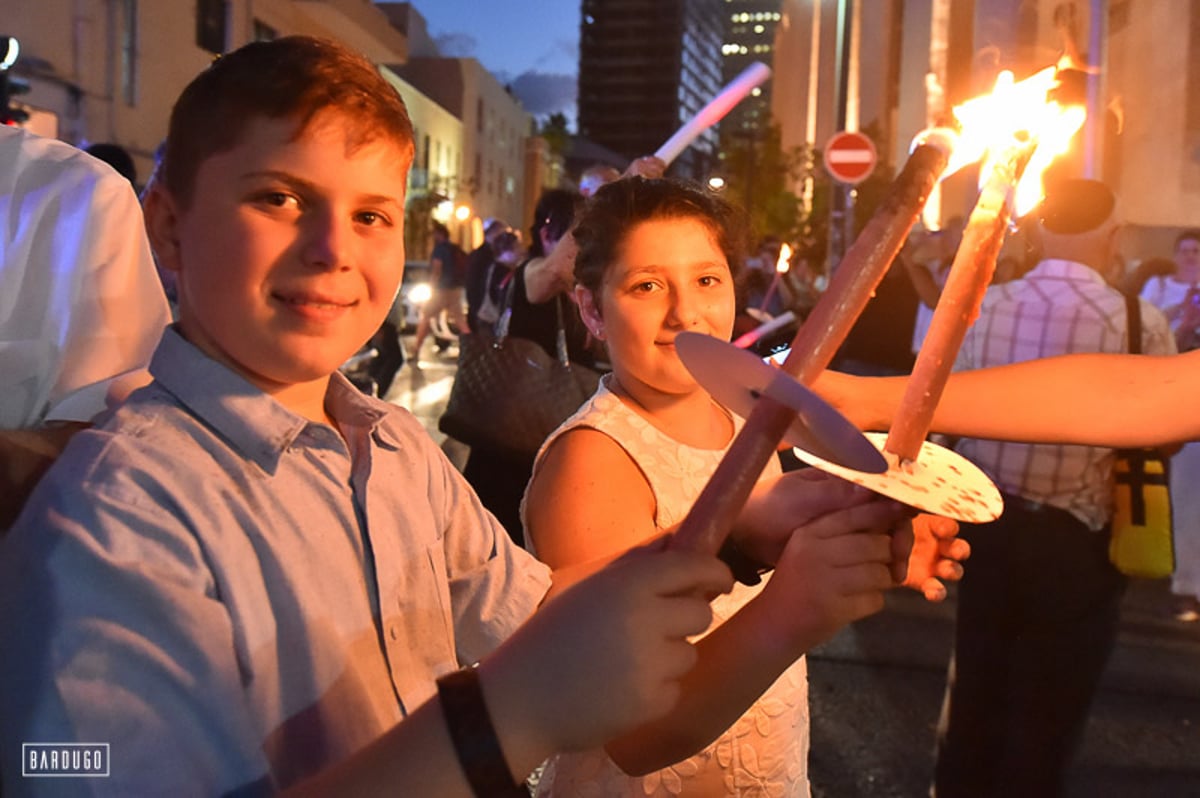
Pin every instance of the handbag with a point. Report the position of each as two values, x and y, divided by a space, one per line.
1141 544
509 394
489 309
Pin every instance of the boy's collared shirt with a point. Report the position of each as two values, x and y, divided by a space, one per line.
221 589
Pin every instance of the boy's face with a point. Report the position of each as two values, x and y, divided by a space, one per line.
291 252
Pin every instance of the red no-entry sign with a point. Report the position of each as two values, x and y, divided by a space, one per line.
849 157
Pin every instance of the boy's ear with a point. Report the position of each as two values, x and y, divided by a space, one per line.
162 223
589 311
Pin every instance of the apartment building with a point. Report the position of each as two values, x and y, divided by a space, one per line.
110 70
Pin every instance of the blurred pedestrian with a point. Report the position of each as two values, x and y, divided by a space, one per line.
509 254
1177 293
499 478
928 265
447 272
554 274
479 268
596 176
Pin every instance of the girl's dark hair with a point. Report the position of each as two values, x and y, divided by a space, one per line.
618 207
554 213
291 77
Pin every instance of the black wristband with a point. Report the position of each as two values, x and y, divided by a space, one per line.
745 570
474 738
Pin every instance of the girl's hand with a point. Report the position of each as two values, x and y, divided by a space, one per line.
936 556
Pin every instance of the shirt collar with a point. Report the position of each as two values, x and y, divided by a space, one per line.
254 423
1057 267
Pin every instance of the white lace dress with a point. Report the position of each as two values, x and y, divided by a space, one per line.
765 753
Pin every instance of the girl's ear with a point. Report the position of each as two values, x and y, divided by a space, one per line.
162 226
589 311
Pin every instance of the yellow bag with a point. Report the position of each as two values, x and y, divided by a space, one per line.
1142 543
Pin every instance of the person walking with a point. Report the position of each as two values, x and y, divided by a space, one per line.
1178 295
447 271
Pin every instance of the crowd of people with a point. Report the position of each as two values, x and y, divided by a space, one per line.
247 576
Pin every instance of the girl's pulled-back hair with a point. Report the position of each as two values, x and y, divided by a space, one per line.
616 208
291 77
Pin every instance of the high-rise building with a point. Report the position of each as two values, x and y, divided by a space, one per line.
645 68
917 59
749 37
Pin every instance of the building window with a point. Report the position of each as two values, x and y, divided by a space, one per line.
129 51
211 25
264 32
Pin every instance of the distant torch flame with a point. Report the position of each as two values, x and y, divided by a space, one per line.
784 263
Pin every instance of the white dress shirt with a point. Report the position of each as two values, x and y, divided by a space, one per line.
81 306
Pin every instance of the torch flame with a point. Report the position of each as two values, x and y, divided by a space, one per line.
784 263
1016 111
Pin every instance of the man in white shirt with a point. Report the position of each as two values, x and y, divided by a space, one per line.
81 307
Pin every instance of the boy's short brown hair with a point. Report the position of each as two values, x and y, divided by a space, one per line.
294 76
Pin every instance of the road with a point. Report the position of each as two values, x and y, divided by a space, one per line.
876 688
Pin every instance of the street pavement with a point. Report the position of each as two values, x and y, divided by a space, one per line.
876 688
876 691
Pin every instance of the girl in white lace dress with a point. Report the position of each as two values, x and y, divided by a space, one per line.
653 261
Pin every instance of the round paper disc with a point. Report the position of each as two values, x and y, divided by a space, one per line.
737 378
941 482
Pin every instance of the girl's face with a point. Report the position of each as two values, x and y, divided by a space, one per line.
669 276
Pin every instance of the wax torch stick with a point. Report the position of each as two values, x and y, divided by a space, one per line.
713 514
958 305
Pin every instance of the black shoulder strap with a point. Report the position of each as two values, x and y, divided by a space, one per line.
1133 313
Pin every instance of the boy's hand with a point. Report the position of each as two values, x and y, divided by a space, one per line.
936 556
834 570
607 654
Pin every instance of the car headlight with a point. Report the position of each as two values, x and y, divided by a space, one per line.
420 293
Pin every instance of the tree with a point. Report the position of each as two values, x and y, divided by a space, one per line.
554 131
760 175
